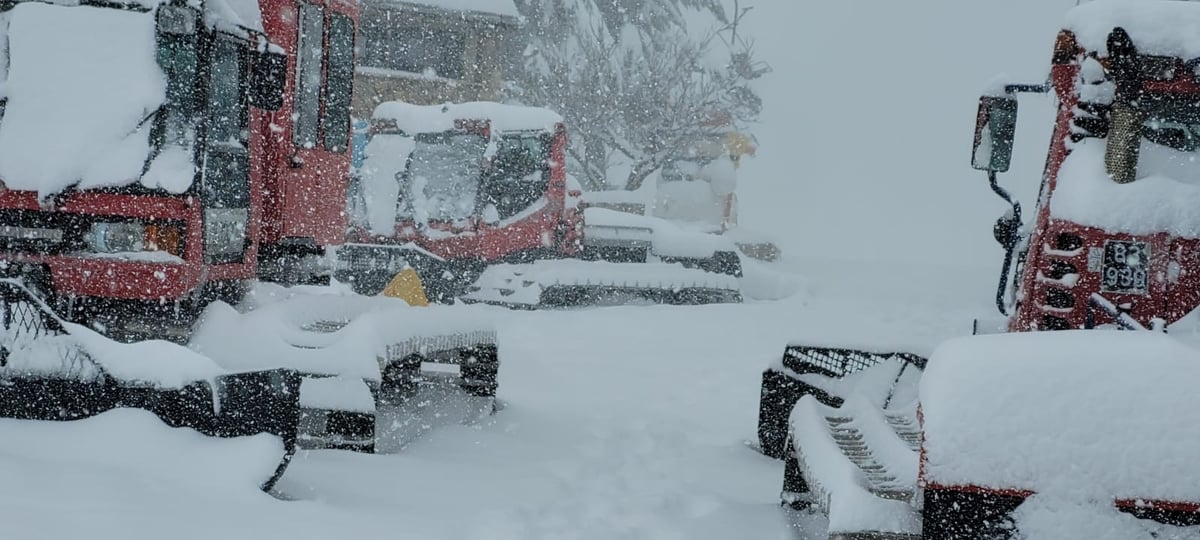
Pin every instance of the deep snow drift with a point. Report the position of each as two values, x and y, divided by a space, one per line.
623 422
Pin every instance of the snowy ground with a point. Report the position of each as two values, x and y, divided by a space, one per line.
623 422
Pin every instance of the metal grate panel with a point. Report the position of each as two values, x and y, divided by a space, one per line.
34 341
836 362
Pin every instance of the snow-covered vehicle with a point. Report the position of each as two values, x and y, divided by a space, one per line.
476 198
159 157
696 191
994 420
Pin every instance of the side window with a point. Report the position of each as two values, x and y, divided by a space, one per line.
227 165
227 106
339 84
308 76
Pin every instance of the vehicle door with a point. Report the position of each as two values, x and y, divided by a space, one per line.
225 187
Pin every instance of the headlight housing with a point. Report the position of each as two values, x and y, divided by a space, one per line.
134 236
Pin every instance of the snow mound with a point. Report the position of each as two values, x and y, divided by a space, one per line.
124 452
1093 413
762 281
159 363
1046 517
334 334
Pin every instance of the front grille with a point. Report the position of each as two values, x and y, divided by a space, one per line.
44 233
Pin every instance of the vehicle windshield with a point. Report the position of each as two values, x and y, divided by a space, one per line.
444 172
89 68
375 190
517 177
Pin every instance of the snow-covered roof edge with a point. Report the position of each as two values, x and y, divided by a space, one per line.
1158 27
437 118
501 11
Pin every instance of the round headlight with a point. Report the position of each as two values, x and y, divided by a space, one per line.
116 237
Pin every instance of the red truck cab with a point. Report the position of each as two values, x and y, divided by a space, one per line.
1116 236
208 147
452 189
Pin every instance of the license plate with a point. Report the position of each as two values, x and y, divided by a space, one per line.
1126 267
30 233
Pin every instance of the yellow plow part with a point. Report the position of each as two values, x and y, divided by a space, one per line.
407 286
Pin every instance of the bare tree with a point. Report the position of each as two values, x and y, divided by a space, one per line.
636 84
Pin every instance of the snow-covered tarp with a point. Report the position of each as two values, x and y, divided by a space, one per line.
1091 414
413 119
1159 27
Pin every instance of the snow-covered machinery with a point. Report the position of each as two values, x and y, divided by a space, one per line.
1115 244
158 157
696 191
476 198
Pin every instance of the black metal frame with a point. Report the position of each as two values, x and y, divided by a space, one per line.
781 390
250 403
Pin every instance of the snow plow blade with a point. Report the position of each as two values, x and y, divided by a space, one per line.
48 373
783 385
565 283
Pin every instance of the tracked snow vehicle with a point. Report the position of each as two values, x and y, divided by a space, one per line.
151 160
475 196
1114 245
157 157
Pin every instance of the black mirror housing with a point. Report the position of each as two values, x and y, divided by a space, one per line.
995 129
267 81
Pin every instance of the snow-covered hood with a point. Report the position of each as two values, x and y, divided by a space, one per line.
1164 198
81 85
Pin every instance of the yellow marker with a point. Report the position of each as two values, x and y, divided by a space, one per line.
407 286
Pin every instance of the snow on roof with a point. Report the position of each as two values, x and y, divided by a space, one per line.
1091 413
1160 27
437 118
239 13
80 85
1165 198
504 8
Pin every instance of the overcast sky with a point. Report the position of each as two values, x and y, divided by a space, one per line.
866 133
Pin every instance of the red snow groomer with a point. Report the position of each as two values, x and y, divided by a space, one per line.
1115 244
476 198
158 156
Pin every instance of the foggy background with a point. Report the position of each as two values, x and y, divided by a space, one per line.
865 136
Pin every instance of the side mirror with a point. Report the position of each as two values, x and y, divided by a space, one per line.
995 128
267 80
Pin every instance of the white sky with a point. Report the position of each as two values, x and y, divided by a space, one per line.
866 134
